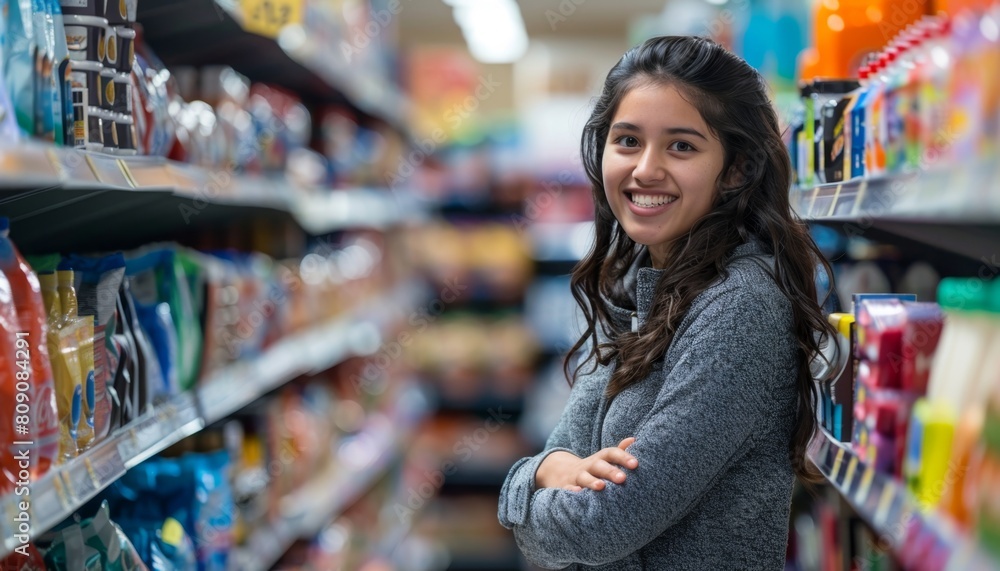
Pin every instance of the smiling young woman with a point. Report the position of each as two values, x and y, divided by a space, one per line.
692 403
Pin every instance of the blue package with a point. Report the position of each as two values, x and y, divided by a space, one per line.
193 489
213 508
19 63
158 326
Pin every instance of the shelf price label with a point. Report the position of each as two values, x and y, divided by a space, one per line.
268 17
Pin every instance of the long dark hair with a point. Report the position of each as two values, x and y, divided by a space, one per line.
752 203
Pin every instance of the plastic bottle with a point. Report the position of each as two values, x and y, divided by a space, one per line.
935 76
875 119
856 132
44 423
965 93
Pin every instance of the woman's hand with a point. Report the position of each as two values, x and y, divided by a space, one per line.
570 472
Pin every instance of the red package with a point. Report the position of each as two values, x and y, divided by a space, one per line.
880 338
921 334
25 329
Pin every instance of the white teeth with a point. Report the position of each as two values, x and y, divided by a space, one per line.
650 200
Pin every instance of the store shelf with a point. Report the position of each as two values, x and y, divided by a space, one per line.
361 460
920 540
475 479
210 32
955 209
480 404
66 488
310 352
561 242
108 202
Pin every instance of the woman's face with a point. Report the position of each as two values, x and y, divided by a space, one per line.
661 165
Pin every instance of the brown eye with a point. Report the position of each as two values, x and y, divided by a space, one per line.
682 146
627 141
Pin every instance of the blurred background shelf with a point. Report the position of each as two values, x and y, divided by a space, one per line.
294 48
363 458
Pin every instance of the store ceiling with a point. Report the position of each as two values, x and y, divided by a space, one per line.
427 21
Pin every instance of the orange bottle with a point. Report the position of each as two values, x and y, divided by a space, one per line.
848 30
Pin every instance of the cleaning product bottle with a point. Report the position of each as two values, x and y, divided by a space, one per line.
875 125
44 423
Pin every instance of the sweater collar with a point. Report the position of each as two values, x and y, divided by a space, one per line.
641 281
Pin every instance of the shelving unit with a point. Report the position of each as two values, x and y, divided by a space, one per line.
920 539
287 52
105 201
341 483
67 487
915 207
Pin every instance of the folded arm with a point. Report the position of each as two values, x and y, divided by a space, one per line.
712 400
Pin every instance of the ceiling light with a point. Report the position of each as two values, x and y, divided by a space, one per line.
493 29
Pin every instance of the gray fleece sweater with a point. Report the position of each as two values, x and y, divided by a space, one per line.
712 424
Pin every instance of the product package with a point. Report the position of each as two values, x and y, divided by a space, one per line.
44 425
158 277
97 283
94 543
193 489
20 52
9 366
64 353
82 330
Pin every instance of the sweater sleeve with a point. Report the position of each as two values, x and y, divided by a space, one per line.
520 482
737 350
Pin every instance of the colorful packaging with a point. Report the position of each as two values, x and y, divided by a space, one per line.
44 425
83 330
921 334
8 118
29 559
194 489
97 283
161 277
63 351
19 63
831 99
9 367
880 338
136 385
94 543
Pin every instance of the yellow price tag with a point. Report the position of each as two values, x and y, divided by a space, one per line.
866 485
852 467
268 17
837 462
